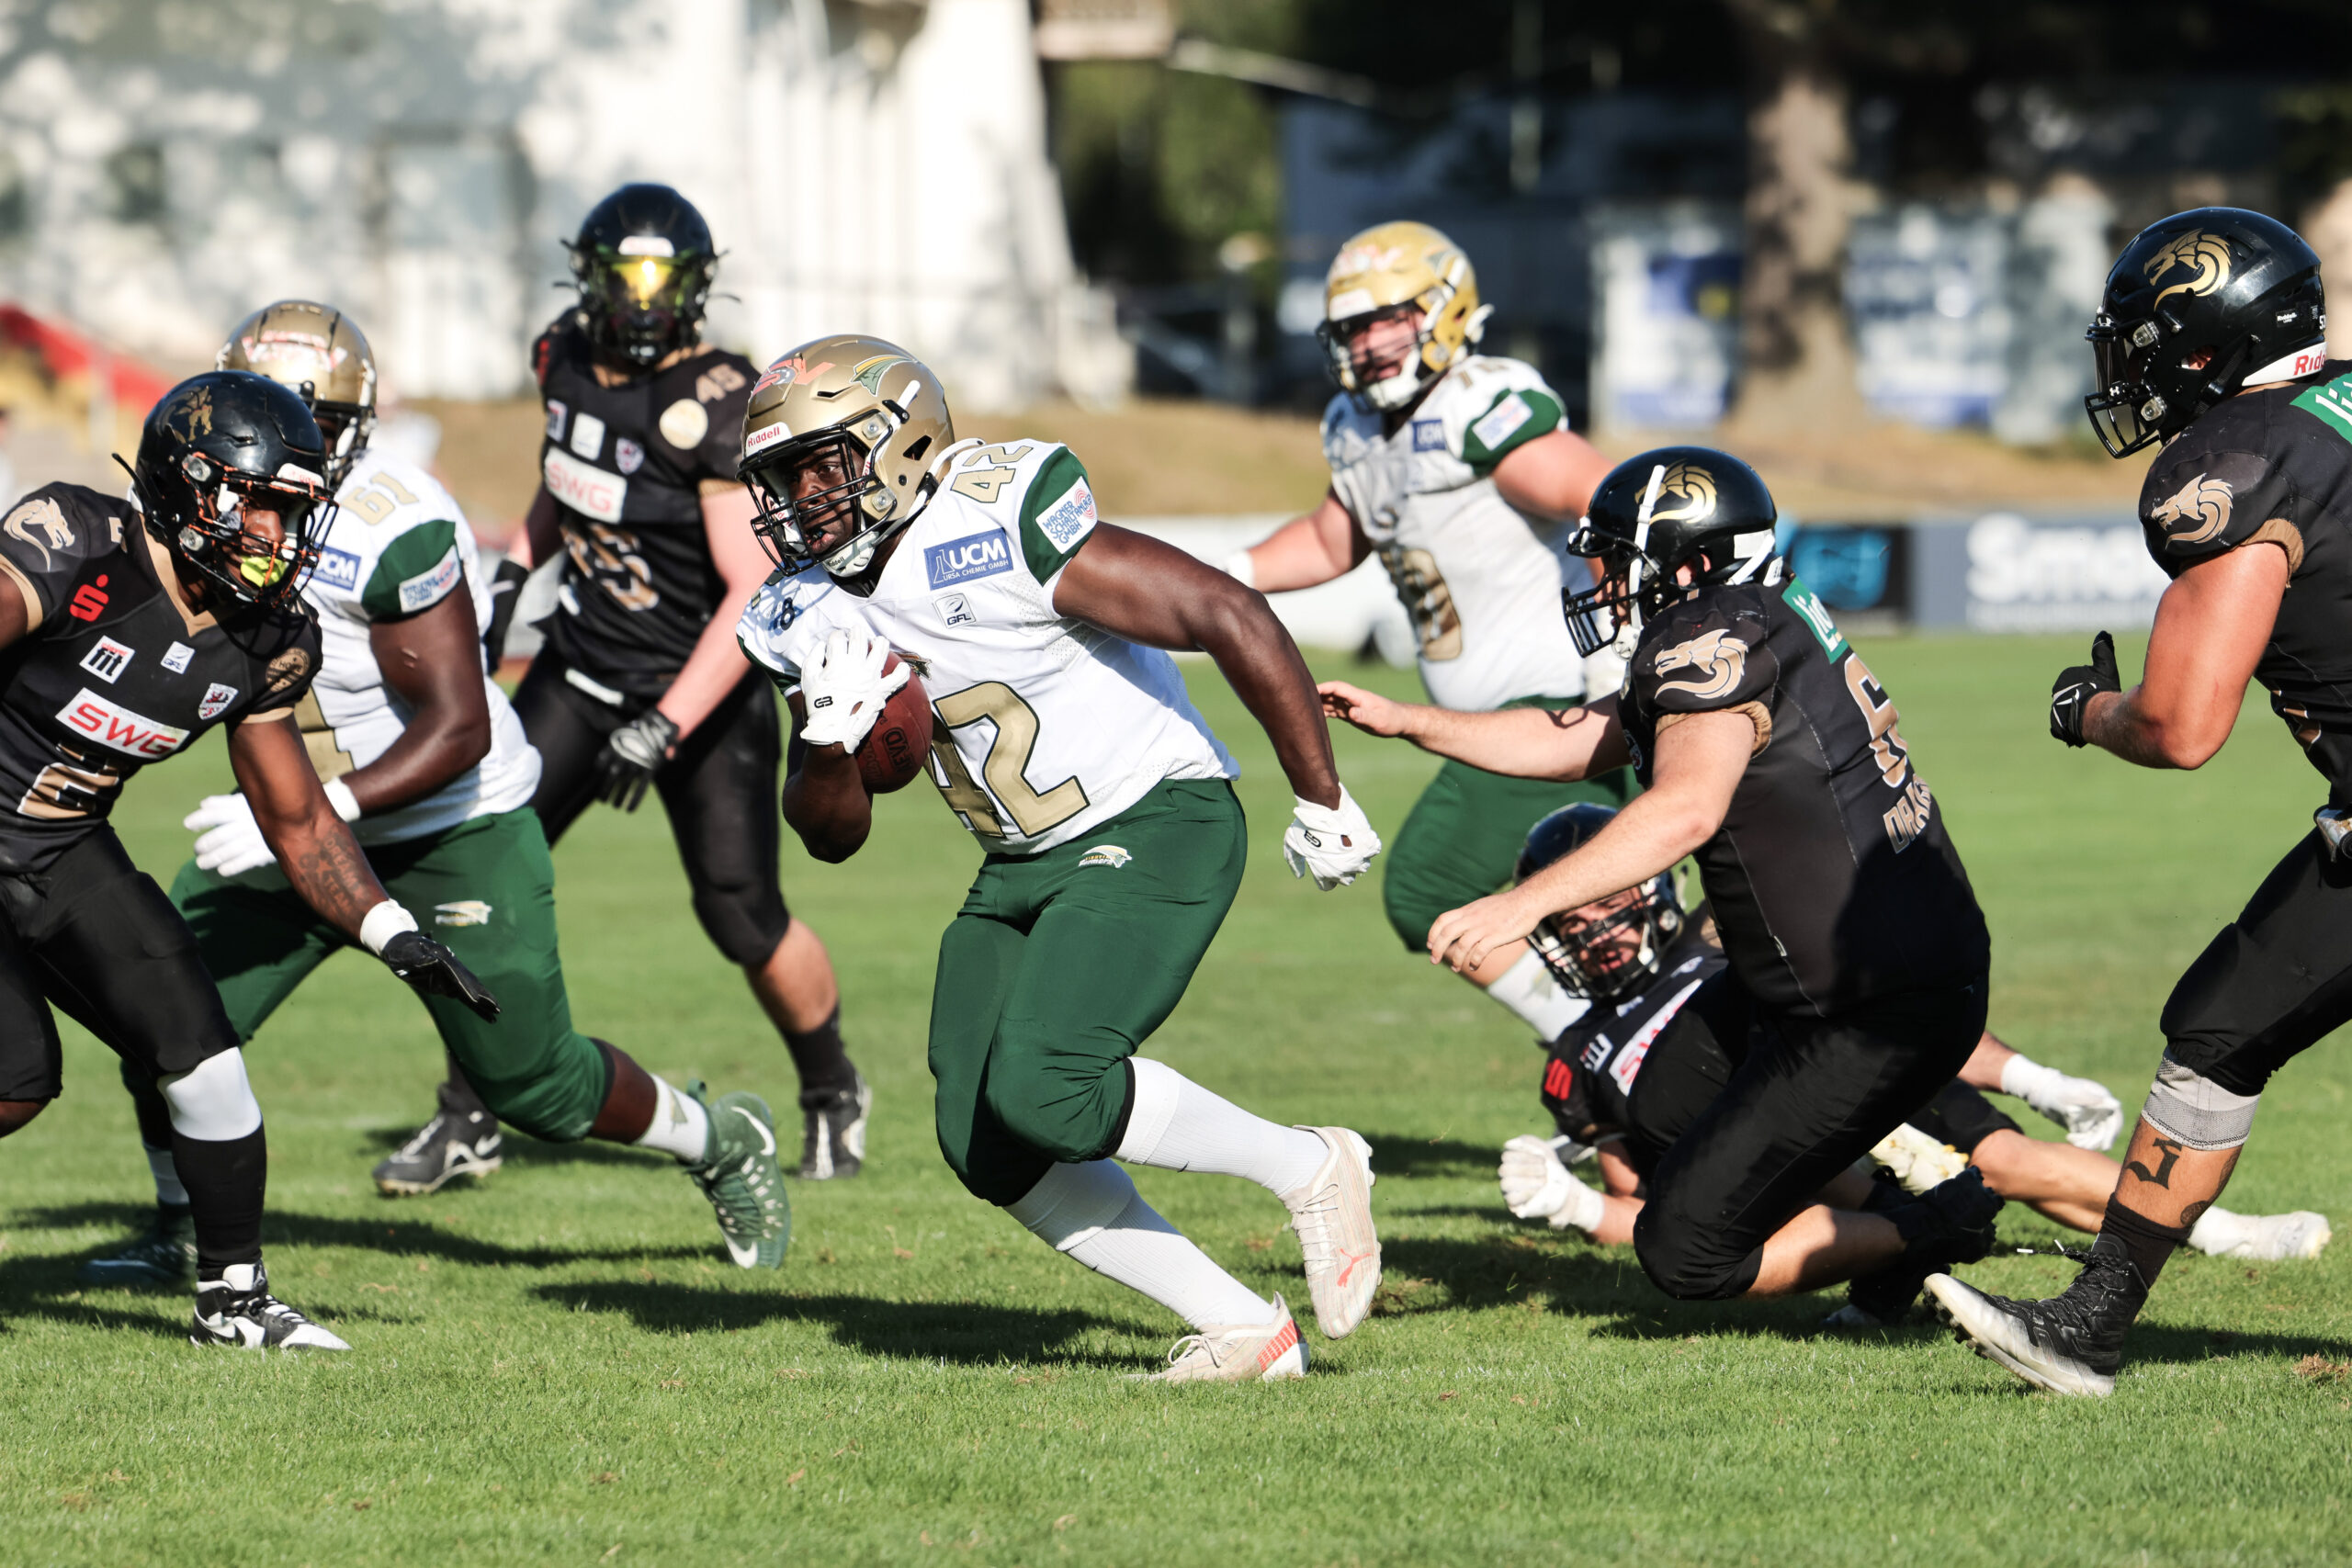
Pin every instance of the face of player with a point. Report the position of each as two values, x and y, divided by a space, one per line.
1603 951
1379 344
823 488
256 552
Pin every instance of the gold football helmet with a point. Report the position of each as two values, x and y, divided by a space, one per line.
320 353
862 420
1395 269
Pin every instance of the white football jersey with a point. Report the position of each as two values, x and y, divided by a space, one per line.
396 545
1046 725
1480 579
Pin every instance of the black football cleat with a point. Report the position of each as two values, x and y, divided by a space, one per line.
833 1132
452 1144
236 1310
2071 1344
163 1255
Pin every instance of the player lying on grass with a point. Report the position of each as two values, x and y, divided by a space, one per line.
418 750
1459 469
2211 338
1767 748
1065 742
1626 1079
127 630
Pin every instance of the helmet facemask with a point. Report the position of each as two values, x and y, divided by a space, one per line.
1388 390
346 428
842 457
201 521
1612 945
638 300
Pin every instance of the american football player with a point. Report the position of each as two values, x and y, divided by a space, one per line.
639 684
1767 749
129 627
1065 743
1626 1079
419 752
1459 469
2209 341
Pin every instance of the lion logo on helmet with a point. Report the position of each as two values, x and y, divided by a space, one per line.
2209 254
1687 494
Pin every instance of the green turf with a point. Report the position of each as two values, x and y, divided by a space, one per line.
561 1367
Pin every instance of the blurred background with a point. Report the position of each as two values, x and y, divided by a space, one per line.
1855 241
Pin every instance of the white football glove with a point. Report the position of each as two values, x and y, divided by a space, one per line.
844 689
1536 1186
2093 1118
227 841
1335 842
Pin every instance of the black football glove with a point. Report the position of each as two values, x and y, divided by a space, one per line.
432 970
631 755
505 592
2070 699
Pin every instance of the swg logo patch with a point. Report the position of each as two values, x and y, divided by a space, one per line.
110 724
1720 658
960 561
1110 855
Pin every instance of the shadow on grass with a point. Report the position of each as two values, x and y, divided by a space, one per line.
1394 1154
400 1237
523 1150
967 1333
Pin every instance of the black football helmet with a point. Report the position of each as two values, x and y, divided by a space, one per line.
2199 306
1653 515
216 444
643 261
1590 956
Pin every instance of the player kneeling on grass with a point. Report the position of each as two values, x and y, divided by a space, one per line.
418 752
127 630
1065 742
1626 1079
1767 748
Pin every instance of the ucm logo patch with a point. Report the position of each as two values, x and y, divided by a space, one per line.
960 561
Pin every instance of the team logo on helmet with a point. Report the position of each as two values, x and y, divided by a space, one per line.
2205 501
1719 658
868 372
190 414
2209 254
1691 492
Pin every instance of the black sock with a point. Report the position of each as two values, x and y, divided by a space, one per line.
224 1179
823 1065
458 1096
2148 1245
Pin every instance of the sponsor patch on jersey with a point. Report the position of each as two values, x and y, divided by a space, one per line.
429 587
627 456
1429 435
1069 518
337 568
217 698
558 411
1494 427
587 434
177 657
461 912
109 659
109 723
1815 616
960 561
1110 855
584 487
683 424
2331 402
1628 1064
957 610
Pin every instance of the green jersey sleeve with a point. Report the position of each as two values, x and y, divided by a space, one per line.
1510 421
1057 514
415 572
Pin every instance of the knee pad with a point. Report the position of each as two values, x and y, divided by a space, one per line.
2192 1110
744 920
212 1101
1072 1203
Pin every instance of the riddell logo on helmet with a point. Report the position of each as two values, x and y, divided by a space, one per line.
1366 258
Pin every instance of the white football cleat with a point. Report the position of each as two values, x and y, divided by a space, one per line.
1916 1160
1332 1213
2263 1238
1255 1352
238 1311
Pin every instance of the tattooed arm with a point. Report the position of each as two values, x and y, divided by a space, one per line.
313 845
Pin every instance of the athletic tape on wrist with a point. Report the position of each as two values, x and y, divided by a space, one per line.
339 796
1241 569
382 923
2194 1110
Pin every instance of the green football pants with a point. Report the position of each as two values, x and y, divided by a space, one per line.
486 888
1461 840
1058 965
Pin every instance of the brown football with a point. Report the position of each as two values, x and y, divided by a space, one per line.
895 749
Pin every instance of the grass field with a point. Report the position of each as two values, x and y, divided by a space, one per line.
560 1366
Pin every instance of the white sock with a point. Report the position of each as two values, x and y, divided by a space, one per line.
1528 990
1176 1124
680 1126
2217 1230
1093 1214
2024 1078
212 1100
167 1176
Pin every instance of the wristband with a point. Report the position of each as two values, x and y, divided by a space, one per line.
1241 569
382 923
339 796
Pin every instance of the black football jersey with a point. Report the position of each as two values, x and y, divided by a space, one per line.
625 465
1832 878
115 674
2277 465
1588 1079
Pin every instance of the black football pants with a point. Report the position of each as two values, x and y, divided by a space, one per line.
1758 1109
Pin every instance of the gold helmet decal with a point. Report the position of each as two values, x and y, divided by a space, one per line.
1391 266
2206 255
1687 494
868 372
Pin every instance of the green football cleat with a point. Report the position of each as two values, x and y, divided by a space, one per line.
743 1180
163 1255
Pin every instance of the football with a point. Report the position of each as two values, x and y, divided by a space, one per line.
895 750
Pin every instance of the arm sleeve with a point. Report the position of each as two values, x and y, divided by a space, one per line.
2202 504
1705 664
1057 516
415 572
44 540
1515 418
